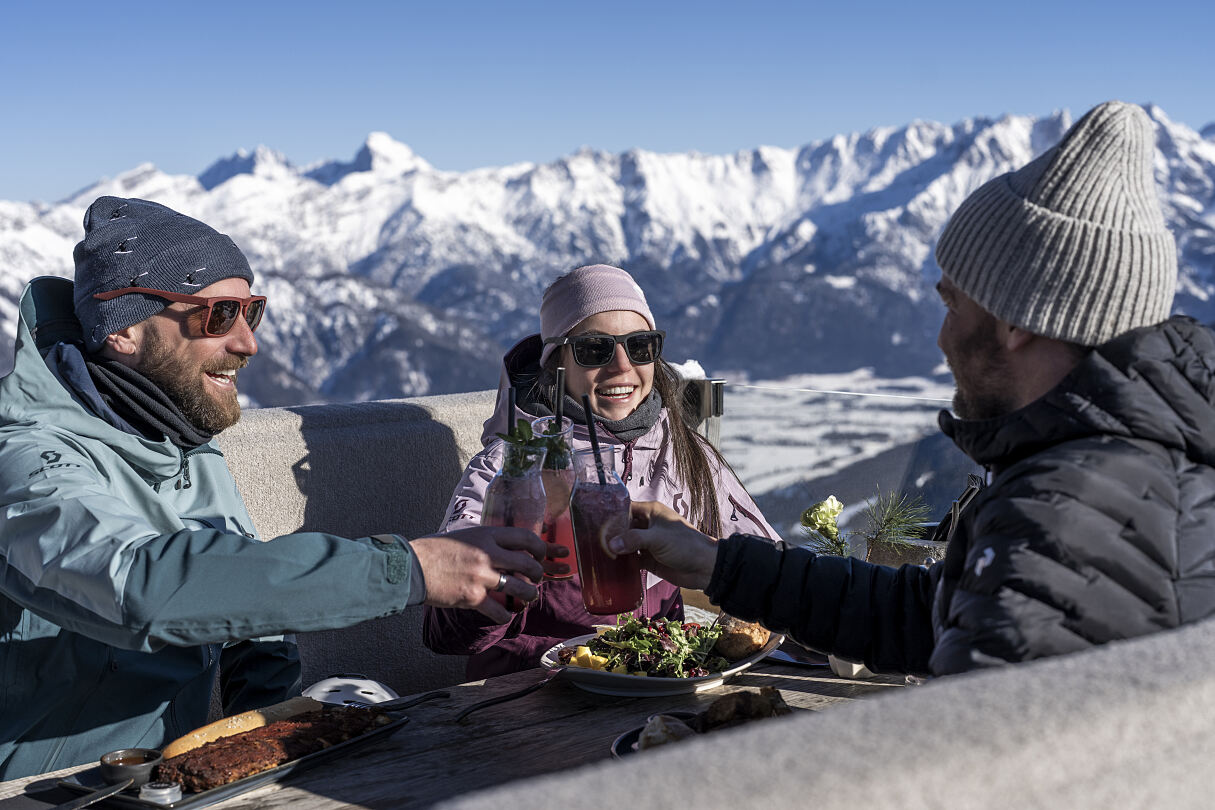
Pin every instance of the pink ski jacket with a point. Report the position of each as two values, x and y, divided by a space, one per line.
647 467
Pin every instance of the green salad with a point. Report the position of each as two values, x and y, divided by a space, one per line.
661 648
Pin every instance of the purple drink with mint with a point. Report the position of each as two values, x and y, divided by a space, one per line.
600 510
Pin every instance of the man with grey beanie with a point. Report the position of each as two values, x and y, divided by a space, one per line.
130 571
1090 407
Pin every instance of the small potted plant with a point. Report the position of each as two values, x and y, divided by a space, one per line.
894 529
894 526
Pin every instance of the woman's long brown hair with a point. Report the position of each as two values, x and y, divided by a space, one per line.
691 449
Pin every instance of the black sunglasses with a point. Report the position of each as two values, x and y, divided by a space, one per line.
595 350
222 311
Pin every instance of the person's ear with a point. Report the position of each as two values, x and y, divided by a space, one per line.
123 344
1015 338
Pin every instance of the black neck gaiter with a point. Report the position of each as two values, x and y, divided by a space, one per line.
142 404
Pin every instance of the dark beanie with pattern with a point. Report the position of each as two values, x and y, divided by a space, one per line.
137 243
1073 246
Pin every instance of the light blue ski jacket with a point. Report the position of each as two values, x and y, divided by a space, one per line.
130 570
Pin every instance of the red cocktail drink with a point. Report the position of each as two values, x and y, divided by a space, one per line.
517 503
515 497
601 511
558 476
560 531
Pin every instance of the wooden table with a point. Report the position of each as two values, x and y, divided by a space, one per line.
556 728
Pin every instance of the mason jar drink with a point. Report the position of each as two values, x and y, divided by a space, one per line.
515 497
558 477
600 510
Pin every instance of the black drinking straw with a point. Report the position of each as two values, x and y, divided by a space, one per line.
510 410
559 406
590 425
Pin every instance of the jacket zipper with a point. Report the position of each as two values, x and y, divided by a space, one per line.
184 470
754 520
627 461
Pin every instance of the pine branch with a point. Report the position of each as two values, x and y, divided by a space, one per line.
822 544
894 518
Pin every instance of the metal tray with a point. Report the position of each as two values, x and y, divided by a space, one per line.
89 780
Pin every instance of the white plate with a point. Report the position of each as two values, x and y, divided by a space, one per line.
614 683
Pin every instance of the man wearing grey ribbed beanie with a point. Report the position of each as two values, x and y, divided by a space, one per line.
1072 247
1091 408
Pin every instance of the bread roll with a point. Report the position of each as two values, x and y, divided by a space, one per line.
742 706
245 721
663 729
739 639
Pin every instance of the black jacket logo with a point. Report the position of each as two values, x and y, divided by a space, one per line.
51 457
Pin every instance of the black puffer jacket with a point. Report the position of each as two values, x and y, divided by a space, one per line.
1099 524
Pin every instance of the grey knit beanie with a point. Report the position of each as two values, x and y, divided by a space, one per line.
1072 246
137 243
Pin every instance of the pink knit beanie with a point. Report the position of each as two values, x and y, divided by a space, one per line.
584 292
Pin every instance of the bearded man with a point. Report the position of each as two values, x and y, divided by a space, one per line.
130 570
1091 409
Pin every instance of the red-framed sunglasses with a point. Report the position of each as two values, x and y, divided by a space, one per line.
222 311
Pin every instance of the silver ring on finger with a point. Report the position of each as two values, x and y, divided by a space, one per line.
501 582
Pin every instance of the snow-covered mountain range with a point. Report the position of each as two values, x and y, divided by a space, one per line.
388 277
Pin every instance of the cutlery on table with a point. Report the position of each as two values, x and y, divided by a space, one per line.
804 658
96 796
494 701
399 703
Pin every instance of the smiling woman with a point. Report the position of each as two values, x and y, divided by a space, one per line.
596 324
601 362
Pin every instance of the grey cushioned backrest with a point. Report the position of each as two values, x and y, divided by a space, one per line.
1120 726
356 470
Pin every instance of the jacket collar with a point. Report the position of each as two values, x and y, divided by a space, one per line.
1155 383
32 393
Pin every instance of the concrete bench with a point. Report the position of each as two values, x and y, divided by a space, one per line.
357 470
1120 726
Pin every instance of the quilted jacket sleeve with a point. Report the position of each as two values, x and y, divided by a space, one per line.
859 611
1068 548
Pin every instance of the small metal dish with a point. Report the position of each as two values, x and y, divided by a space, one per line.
136 764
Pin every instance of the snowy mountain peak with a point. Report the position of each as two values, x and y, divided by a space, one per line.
1156 114
390 155
381 154
144 181
262 161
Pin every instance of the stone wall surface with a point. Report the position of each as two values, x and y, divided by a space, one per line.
1127 725
357 470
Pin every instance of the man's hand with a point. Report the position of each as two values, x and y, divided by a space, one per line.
669 546
462 567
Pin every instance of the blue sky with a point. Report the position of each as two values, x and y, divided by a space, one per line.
91 90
